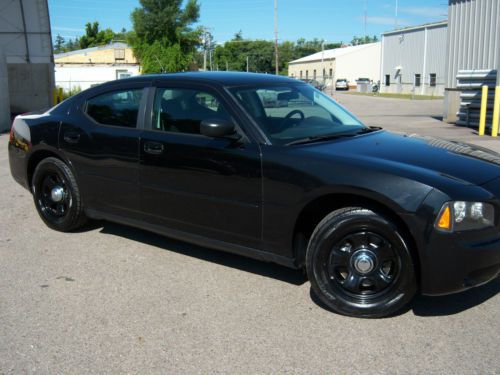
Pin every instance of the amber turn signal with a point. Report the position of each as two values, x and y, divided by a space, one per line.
444 221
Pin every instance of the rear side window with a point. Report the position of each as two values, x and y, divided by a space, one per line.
118 108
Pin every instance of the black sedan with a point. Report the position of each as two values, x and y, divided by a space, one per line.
373 217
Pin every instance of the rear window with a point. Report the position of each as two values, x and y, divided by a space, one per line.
117 108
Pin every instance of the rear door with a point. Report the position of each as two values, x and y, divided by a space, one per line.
193 183
101 139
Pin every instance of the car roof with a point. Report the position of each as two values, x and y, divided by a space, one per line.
222 78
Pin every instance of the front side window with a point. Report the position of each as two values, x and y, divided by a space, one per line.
293 112
118 108
181 110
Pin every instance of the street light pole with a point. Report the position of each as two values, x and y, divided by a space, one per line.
276 36
397 14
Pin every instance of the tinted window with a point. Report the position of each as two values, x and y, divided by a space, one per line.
182 110
119 108
288 113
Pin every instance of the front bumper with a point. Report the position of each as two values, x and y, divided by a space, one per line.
456 262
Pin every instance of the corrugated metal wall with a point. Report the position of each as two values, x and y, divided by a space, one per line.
27 68
473 36
406 48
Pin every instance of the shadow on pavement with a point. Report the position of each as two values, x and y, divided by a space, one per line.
440 306
270 270
455 303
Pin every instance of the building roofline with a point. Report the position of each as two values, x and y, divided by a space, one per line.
91 49
342 52
419 27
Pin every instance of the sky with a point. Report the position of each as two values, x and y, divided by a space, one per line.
329 20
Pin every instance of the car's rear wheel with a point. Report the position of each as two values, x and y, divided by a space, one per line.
57 196
359 264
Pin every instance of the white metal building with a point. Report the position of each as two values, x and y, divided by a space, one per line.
26 63
413 60
88 67
351 63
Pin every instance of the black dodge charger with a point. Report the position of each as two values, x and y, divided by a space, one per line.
270 168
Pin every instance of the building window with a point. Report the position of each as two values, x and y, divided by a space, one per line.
307 74
301 74
314 74
418 80
123 74
387 79
119 54
432 79
331 72
324 73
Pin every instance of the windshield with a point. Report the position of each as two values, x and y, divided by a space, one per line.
292 112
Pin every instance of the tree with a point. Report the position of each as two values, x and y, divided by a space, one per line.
356 41
233 54
162 31
59 44
94 37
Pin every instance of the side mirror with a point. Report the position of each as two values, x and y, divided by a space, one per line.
217 128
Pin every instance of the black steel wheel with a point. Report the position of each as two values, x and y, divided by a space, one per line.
56 194
360 265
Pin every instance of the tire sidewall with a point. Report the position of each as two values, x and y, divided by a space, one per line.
51 164
332 230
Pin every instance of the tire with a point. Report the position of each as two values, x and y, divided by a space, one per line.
360 265
57 196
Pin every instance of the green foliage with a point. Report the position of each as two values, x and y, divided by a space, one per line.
59 44
356 41
68 93
233 54
163 38
160 58
94 37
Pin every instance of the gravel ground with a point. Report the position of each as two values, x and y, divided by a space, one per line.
112 299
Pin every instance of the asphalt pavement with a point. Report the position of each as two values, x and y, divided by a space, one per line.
113 299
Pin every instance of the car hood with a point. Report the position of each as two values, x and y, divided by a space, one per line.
459 162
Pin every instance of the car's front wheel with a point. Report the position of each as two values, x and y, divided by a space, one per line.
359 264
57 196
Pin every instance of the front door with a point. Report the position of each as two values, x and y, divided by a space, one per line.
193 183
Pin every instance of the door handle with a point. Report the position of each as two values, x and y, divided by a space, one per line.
71 137
153 148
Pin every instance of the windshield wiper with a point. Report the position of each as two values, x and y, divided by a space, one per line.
326 137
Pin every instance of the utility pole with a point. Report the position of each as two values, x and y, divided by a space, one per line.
276 36
365 16
204 41
247 63
397 13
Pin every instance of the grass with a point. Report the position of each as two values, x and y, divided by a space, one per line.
396 96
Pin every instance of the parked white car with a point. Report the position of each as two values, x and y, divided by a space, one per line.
342 84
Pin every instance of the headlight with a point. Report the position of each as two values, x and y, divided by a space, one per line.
459 216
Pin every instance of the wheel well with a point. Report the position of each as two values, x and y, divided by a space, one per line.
35 159
317 209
